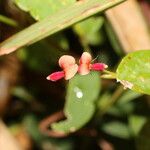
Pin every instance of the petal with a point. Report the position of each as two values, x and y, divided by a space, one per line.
66 61
85 61
83 69
98 66
70 71
85 58
56 76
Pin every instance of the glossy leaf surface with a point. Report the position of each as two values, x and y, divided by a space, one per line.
82 92
134 71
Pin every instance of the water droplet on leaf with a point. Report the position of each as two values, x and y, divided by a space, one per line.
78 92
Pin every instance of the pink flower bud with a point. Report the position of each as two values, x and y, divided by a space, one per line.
66 61
70 68
56 76
85 60
85 64
98 66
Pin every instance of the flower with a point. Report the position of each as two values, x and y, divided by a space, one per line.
69 67
85 64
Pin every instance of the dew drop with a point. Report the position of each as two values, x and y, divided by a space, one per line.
78 92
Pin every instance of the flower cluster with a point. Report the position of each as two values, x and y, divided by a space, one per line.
70 68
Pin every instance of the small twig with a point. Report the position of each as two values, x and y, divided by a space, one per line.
44 127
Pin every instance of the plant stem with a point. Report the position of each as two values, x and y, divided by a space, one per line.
113 100
8 21
108 75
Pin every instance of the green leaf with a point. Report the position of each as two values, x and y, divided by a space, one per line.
40 10
79 108
128 96
52 24
88 30
122 110
117 129
124 104
136 123
21 93
134 71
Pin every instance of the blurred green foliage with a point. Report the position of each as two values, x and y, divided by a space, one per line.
88 30
117 129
